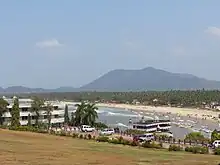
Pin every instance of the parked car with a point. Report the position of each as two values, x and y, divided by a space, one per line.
167 134
87 128
144 137
107 131
216 144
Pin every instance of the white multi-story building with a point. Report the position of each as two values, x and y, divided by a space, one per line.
25 106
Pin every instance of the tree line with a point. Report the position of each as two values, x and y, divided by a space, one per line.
190 98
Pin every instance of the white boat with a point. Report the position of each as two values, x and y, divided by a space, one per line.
152 125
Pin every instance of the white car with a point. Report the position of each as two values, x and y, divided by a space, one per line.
87 128
107 131
168 134
216 143
144 137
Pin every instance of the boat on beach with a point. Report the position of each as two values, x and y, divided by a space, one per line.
152 125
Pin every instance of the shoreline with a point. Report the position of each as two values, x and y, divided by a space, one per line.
198 113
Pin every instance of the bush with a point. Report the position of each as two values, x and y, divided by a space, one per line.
134 132
75 135
81 136
217 151
28 128
114 141
197 149
102 139
134 143
151 145
85 136
125 142
62 133
89 136
188 149
3 127
174 147
120 139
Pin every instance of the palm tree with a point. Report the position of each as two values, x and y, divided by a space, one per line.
80 113
90 115
49 109
85 114
3 109
36 106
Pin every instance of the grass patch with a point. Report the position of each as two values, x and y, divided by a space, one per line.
41 149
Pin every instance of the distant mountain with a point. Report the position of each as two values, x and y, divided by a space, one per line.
22 89
64 89
131 80
148 79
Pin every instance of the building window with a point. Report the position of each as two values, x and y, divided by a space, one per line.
55 107
56 116
24 118
45 116
24 109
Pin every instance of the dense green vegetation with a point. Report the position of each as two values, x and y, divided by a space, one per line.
194 98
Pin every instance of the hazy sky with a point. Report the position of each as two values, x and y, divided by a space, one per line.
52 43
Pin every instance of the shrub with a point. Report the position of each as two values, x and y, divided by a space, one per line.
27 128
75 135
62 133
42 131
102 139
120 139
52 132
3 127
188 149
174 147
134 143
134 132
204 150
125 142
197 149
81 136
217 151
151 145
89 136
85 136
114 141
94 137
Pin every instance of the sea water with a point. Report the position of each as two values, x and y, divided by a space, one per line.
121 117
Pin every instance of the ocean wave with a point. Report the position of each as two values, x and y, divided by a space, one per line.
126 115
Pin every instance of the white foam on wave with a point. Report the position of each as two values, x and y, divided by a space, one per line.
126 115
100 111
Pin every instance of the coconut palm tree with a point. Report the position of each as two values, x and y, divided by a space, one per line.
80 113
85 114
36 106
48 109
3 109
90 115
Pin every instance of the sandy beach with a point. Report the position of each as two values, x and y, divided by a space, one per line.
198 113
